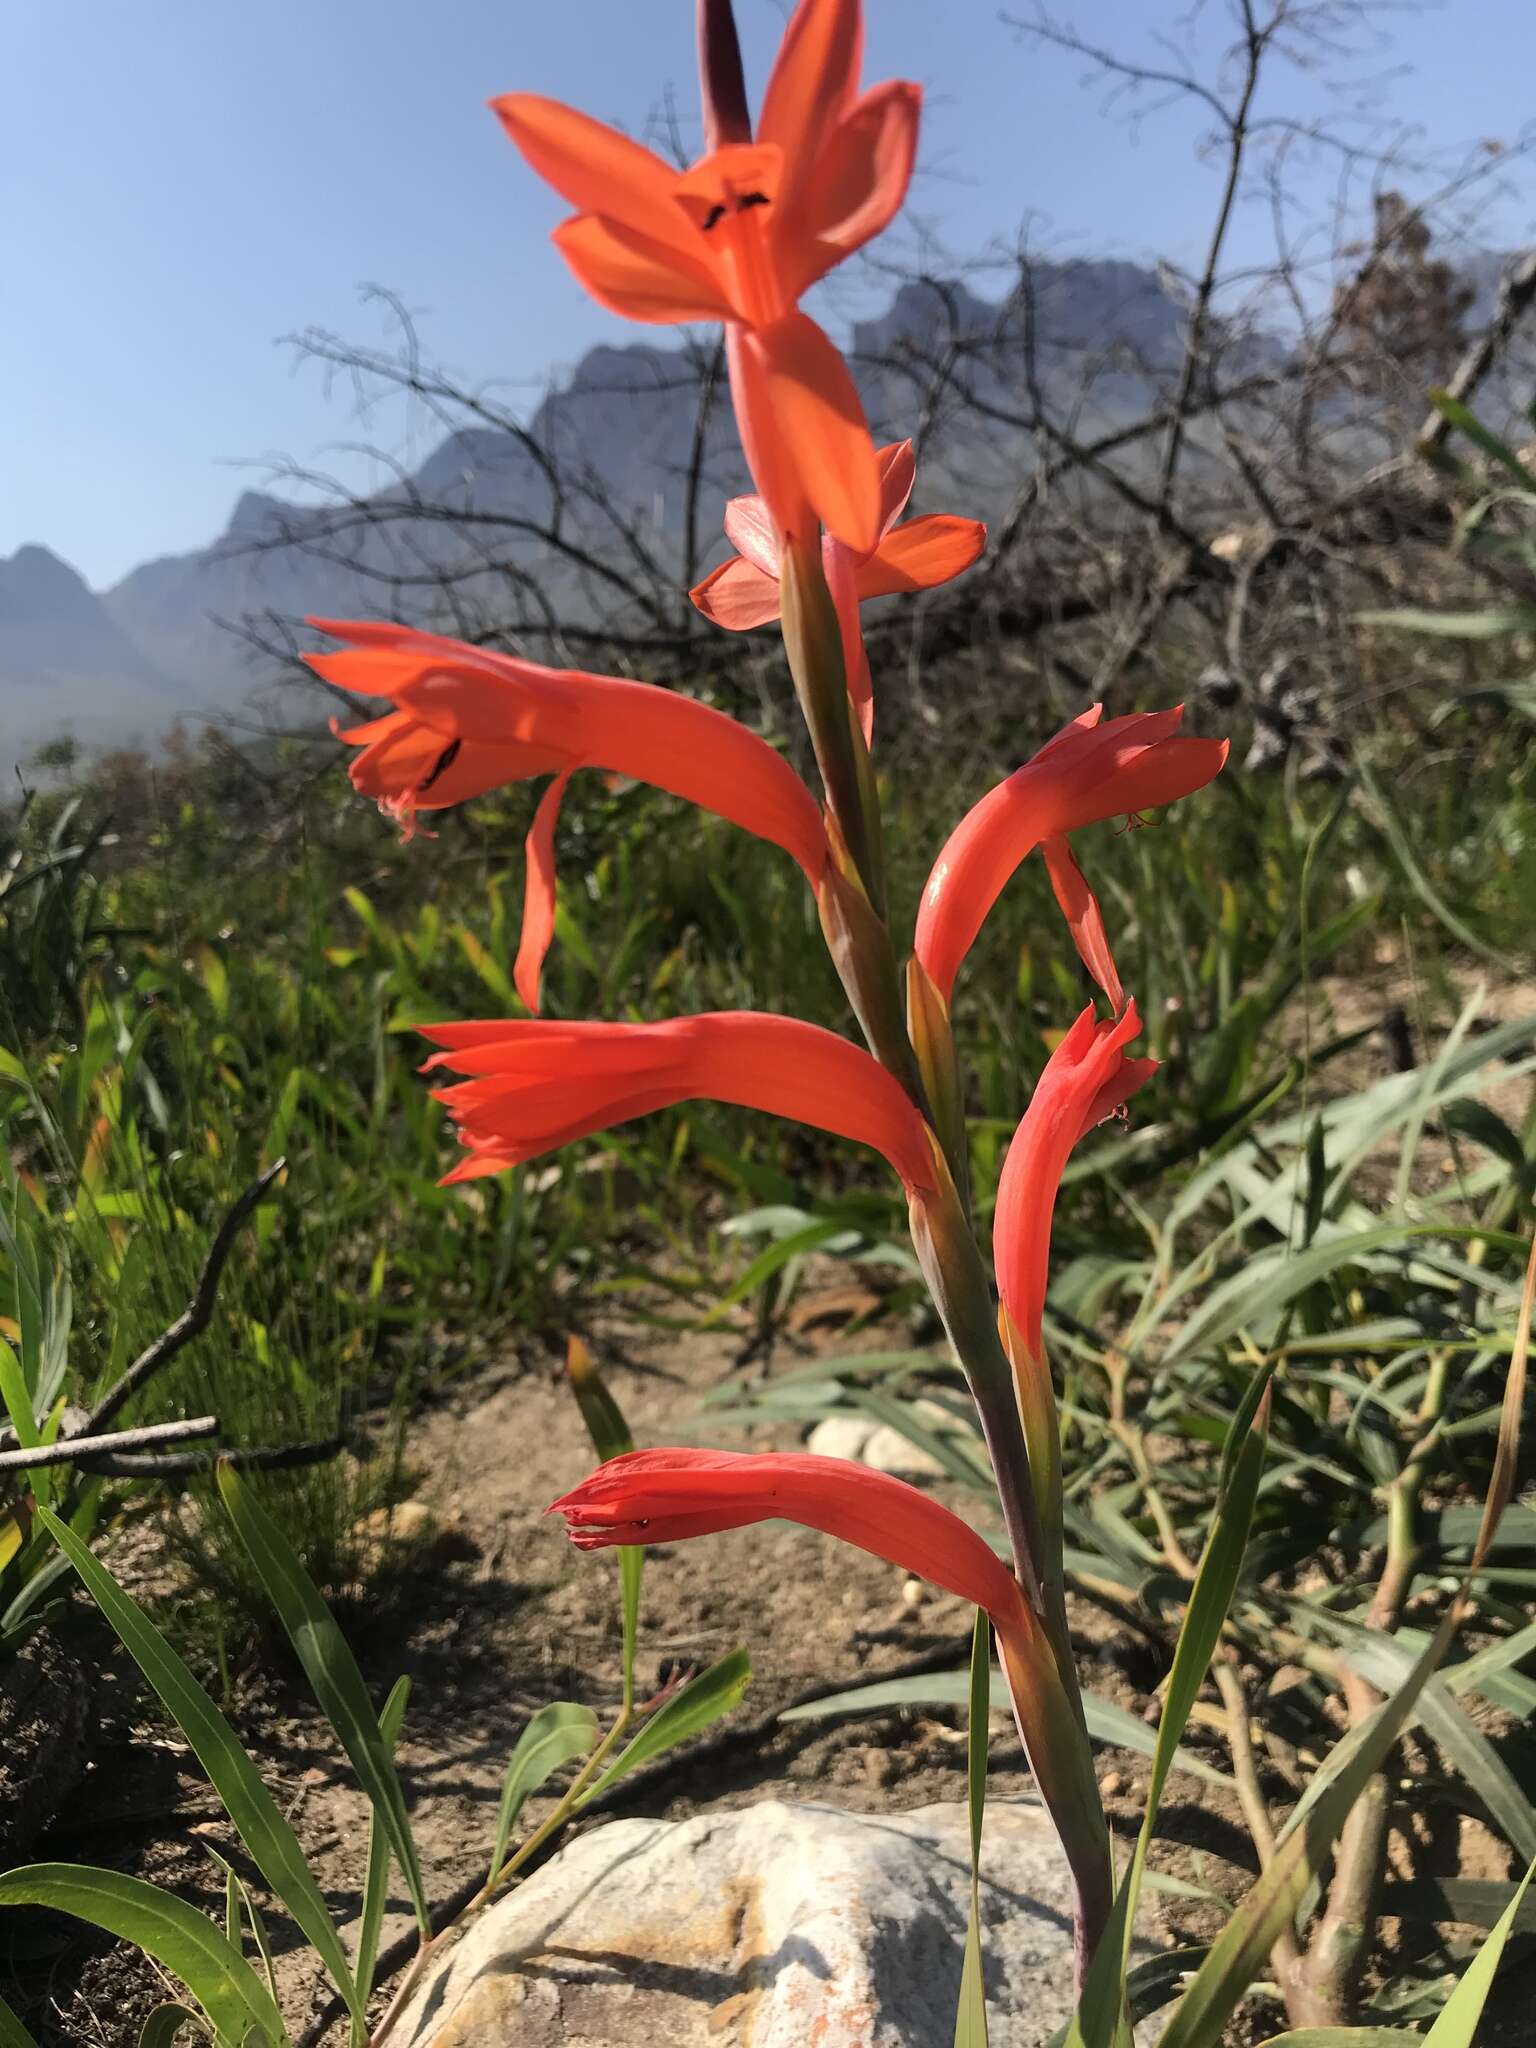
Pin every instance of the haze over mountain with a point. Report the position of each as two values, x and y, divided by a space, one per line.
122 665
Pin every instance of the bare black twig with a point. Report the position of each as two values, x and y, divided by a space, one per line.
194 1318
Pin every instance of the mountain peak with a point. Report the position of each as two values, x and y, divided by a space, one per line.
35 583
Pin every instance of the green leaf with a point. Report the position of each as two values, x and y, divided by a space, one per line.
1497 622
1240 1951
1401 843
185 1941
12 2033
1099 2022
165 2023
1457 2025
1469 1118
376 1883
1385 1664
331 1670
971 2019
1346 2037
611 1438
701 1702
555 1735
1461 415
1107 1722
273 1845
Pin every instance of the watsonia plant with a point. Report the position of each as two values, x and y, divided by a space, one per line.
769 209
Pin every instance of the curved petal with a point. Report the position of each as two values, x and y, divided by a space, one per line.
1085 920
1087 1078
804 432
635 275
539 893
749 529
595 168
473 719
922 553
533 1086
813 81
737 595
1089 771
898 473
857 187
381 671
1161 774
662 1496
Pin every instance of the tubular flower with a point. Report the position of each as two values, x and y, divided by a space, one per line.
1087 772
666 1496
1087 1078
744 591
466 720
531 1086
742 233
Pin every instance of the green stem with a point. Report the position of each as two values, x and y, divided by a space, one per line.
430 1950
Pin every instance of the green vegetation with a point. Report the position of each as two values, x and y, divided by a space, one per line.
198 979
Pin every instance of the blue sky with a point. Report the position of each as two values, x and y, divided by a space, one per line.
183 182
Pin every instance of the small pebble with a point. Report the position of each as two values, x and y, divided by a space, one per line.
1111 1783
913 1593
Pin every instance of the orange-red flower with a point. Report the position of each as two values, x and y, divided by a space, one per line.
739 236
467 720
744 591
1087 772
666 1496
532 1086
1087 1078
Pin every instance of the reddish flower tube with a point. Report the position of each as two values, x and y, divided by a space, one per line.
666 1496
1089 771
531 1086
1087 1078
466 720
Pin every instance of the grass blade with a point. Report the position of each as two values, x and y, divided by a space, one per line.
332 1672
611 1438
185 1941
12 2033
273 1846
1457 2025
1347 2037
1099 2022
971 2019
556 1735
376 1883
1237 1955
163 2025
1107 1722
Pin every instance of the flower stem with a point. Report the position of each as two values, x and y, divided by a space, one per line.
556 1818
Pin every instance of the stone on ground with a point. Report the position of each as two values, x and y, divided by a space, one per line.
779 1926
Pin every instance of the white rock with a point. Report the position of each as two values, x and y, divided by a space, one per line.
774 1927
840 1436
887 1450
